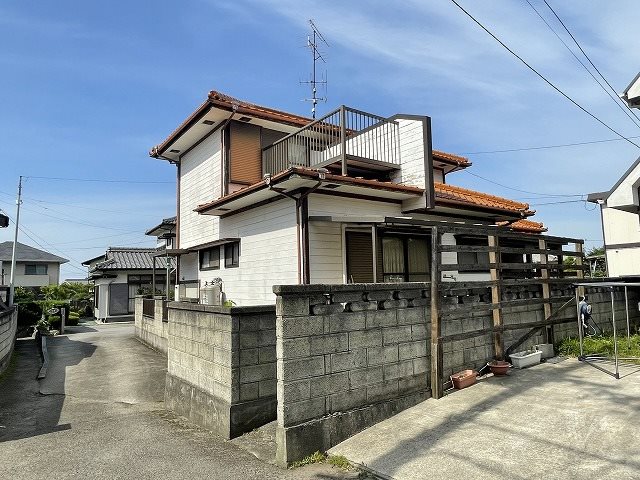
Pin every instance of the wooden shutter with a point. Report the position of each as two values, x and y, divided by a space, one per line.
359 257
245 155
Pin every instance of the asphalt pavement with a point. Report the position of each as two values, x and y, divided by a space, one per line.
99 414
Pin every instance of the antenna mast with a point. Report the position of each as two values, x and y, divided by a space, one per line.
312 44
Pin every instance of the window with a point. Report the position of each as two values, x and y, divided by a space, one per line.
405 258
141 285
473 258
210 259
232 255
35 269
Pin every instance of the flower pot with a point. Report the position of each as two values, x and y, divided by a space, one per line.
499 367
525 358
546 349
464 379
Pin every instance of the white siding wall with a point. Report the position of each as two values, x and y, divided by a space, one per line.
627 191
411 154
199 183
102 309
621 228
52 276
268 253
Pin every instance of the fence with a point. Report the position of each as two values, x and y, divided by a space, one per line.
343 134
8 327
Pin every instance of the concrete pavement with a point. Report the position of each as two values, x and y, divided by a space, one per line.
99 414
554 421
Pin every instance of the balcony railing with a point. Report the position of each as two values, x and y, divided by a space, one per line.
343 137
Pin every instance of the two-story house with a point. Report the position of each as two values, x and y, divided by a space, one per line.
267 197
34 267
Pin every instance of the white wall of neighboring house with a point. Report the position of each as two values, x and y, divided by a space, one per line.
622 228
52 277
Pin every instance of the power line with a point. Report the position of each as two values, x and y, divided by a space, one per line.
548 82
587 57
543 147
615 99
523 191
97 180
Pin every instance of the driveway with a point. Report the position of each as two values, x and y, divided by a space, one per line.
99 414
562 420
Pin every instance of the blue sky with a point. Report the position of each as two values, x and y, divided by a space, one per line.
88 87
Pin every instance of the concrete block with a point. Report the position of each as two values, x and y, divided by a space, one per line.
421 302
293 391
329 309
408 294
334 343
365 376
389 304
345 322
249 324
249 340
362 306
398 370
291 305
381 318
382 391
365 338
329 384
297 412
382 355
419 332
348 361
301 368
255 373
249 356
394 335
412 383
249 391
341 297
379 295
290 327
408 316
223 357
348 400
421 365
268 354
412 350
267 388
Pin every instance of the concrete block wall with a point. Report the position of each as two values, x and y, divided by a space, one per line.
348 356
152 331
221 366
8 327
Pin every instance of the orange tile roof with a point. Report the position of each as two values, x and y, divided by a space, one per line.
526 226
451 158
446 193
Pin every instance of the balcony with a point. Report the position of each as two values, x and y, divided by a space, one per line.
345 140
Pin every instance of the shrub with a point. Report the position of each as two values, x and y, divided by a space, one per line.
29 313
55 321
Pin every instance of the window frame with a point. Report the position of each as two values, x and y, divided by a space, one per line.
407 273
215 265
36 268
232 255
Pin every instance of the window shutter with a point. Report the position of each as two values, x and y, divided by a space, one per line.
359 257
245 154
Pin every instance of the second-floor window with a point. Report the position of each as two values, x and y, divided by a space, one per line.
35 269
210 259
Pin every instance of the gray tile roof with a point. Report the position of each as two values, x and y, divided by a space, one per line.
126 258
25 253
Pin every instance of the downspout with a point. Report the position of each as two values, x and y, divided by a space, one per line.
302 227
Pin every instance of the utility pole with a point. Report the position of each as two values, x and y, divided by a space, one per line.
12 286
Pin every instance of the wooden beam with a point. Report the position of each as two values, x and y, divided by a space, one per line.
580 272
436 327
546 291
496 296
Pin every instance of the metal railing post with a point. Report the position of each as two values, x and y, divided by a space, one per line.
343 139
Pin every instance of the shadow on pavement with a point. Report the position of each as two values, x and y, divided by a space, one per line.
29 407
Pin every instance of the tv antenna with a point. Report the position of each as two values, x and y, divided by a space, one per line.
312 44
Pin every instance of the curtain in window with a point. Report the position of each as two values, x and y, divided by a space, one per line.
393 259
418 255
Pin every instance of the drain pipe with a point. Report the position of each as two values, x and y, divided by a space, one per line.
302 225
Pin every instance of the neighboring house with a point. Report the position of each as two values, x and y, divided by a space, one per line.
121 274
34 267
267 197
620 216
631 94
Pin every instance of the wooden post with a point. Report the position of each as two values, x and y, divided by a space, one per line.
546 290
496 295
436 327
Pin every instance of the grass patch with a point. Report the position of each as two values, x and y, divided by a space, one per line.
339 461
316 457
570 347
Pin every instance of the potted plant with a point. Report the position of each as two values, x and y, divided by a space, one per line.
463 379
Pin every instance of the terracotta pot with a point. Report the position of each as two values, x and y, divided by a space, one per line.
464 379
499 367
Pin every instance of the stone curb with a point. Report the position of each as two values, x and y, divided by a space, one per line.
45 357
